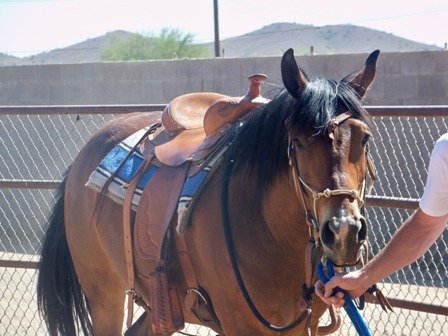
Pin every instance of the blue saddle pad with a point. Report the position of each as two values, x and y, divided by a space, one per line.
118 186
112 161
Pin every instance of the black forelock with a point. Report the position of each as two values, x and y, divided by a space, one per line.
320 102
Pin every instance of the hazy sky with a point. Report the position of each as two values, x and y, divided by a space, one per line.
29 27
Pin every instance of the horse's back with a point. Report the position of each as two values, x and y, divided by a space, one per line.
101 142
110 134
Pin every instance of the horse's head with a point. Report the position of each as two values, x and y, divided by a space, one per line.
328 133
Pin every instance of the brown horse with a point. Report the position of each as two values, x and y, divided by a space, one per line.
301 156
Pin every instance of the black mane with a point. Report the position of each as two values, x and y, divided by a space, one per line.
261 143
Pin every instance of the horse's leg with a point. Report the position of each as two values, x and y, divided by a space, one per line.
106 299
98 276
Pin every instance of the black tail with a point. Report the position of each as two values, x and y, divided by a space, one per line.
60 299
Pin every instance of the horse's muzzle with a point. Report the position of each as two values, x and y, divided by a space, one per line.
342 238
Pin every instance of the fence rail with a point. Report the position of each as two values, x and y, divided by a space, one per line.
19 264
29 184
79 109
378 201
375 111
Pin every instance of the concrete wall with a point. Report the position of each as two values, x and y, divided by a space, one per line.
402 79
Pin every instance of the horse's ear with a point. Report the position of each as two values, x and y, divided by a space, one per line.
293 77
364 78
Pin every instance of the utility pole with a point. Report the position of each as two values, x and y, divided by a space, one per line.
217 45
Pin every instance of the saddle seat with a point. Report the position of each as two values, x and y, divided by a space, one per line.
194 123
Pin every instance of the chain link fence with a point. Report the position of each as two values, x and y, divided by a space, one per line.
36 149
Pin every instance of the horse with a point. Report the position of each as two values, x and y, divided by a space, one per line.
295 170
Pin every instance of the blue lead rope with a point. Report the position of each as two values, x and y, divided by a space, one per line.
349 306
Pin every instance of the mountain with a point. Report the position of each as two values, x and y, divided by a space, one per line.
274 39
271 40
9 60
88 51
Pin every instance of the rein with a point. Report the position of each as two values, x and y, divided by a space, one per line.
349 306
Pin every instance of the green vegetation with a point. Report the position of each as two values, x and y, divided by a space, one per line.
170 43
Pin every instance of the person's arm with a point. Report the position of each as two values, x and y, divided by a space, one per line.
408 244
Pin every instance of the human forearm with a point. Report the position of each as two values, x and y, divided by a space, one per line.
409 243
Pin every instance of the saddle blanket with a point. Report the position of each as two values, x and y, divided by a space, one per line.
112 161
118 186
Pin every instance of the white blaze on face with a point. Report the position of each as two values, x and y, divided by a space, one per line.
340 225
342 232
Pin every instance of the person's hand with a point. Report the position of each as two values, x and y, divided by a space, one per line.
337 300
351 282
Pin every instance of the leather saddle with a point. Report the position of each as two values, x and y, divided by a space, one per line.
194 122
193 126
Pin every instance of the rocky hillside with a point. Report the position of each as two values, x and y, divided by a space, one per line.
339 39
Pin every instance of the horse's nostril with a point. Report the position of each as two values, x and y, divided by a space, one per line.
362 233
327 235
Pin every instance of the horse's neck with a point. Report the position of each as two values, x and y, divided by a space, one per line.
270 243
285 218
277 228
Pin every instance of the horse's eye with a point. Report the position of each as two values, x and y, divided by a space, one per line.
298 144
365 140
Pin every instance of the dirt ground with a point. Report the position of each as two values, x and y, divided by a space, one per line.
18 309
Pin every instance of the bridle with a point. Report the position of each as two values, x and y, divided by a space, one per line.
313 248
300 185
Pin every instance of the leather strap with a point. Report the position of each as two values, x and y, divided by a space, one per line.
334 325
148 155
191 297
311 255
128 241
332 127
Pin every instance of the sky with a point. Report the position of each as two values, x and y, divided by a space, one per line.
29 27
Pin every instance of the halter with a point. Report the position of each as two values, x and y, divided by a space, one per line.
300 184
312 251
